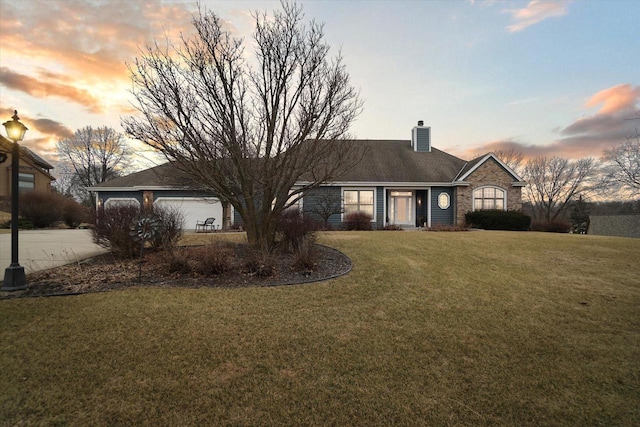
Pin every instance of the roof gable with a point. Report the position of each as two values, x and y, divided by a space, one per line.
474 164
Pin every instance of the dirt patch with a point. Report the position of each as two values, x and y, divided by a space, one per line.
105 273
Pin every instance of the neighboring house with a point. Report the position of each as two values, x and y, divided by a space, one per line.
34 173
407 183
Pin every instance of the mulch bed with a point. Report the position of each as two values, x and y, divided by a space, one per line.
105 272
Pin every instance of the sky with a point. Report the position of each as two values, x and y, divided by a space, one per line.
542 77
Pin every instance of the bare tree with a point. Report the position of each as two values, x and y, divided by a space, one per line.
512 158
93 156
326 204
244 128
555 183
622 167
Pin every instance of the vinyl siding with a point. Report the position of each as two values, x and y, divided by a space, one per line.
441 216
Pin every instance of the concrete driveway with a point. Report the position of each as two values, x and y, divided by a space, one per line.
44 249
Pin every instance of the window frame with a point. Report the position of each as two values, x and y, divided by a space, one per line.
494 187
26 181
358 189
448 204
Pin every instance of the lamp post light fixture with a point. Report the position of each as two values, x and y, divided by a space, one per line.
14 277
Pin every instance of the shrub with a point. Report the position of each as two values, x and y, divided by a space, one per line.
392 227
23 224
555 226
260 263
113 224
73 213
43 209
177 262
357 221
295 229
498 220
212 259
172 221
111 229
306 258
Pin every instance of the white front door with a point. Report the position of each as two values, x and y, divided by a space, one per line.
401 208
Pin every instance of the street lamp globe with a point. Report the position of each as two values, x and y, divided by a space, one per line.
15 129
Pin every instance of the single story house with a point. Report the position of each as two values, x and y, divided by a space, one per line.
34 173
408 183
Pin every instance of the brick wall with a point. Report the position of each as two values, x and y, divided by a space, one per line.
489 173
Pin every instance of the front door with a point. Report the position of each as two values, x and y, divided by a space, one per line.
401 208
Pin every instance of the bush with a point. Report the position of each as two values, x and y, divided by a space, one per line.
111 229
113 224
172 221
295 229
43 209
555 226
306 258
498 220
358 221
213 259
23 224
73 213
260 263
392 227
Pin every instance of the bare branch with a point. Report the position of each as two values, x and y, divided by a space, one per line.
248 132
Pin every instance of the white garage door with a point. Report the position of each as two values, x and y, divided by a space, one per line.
194 209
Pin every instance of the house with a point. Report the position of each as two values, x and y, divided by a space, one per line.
408 183
34 173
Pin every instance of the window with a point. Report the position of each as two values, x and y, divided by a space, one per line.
358 201
443 200
488 198
26 181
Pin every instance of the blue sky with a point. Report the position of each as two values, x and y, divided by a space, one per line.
546 78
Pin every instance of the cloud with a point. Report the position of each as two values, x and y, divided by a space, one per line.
40 88
617 98
47 132
587 136
85 45
51 127
536 11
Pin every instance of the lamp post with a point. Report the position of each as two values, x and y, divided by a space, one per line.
14 277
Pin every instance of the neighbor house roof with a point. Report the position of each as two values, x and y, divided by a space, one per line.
28 155
165 175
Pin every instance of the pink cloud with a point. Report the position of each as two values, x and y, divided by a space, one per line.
586 136
617 98
535 12
84 42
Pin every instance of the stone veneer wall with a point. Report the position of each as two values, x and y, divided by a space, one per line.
489 173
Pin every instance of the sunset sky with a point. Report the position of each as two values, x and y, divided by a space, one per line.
549 78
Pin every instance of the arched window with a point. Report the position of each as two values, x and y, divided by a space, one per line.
489 198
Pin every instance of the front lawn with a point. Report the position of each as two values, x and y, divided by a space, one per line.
475 328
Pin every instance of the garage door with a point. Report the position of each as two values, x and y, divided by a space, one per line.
194 209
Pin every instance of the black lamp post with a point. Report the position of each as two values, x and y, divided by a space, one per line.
14 277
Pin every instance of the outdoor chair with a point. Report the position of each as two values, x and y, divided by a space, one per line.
204 226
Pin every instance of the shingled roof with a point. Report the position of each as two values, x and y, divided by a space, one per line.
165 175
396 161
384 161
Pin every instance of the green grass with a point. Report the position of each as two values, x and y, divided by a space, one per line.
477 328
